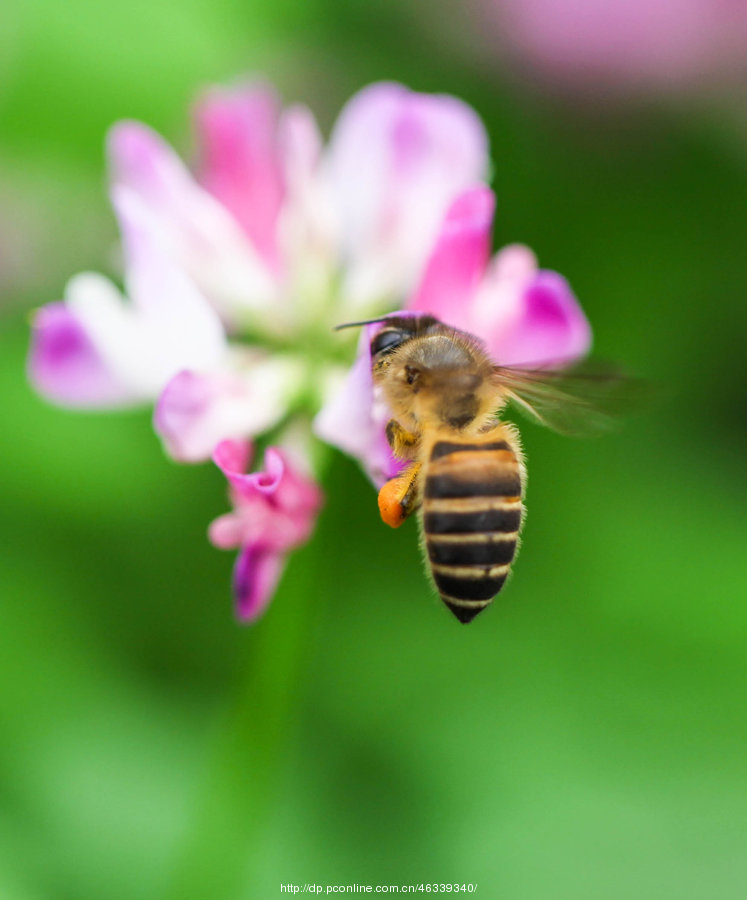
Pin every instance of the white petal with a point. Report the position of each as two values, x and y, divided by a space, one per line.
396 160
114 330
190 223
197 410
168 327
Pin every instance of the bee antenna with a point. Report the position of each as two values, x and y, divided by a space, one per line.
356 324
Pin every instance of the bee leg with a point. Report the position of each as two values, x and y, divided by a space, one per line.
400 496
402 442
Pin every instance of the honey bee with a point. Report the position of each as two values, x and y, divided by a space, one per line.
465 471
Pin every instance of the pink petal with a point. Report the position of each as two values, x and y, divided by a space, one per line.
197 410
258 518
396 161
65 365
141 159
299 141
187 222
227 531
308 224
191 332
514 262
525 316
355 421
292 494
275 510
639 42
498 302
255 578
550 327
265 482
458 260
237 130
297 495
233 457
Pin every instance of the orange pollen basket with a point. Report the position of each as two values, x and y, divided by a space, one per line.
390 503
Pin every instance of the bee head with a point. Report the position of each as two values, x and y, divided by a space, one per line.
436 375
396 331
428 371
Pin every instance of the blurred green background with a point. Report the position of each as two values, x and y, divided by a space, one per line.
585 738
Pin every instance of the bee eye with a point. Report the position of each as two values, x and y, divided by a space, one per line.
387 341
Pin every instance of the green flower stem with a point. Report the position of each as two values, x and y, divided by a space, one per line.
222 849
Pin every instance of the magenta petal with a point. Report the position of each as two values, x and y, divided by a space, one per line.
227 531
232 458
186 221
268 480
182 416
276 506
551 326
459 259
387 125
355 422
300 142
280 484
141 159
297 495
237 130
636 44
65 366
197 410
397 159
255 578
274 511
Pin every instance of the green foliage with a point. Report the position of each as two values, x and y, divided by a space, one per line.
584 738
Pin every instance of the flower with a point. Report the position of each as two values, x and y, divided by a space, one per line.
524 315
97 350
632 45
275 238
235 276
274 512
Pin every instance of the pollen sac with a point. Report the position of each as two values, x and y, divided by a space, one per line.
390 503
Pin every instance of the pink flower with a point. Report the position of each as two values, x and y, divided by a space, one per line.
247 396
274 512
354 418
100 349
631 44
273 238
396 161
525 316
235 276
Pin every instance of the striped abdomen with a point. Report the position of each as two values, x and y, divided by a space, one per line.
471 519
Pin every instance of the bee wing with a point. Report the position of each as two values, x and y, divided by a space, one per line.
584 400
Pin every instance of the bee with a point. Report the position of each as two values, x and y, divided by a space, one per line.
465 470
